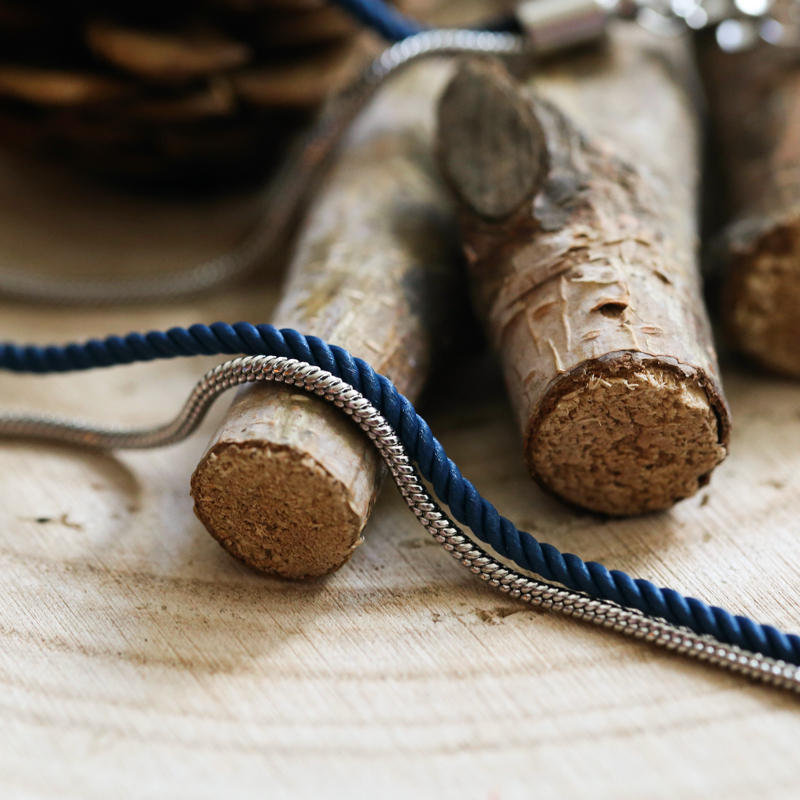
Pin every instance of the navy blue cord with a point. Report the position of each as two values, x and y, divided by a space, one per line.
394 25
382 18
465 503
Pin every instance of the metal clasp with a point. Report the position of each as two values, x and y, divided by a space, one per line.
555 25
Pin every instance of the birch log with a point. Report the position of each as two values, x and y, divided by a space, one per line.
287 484
755 103
578 203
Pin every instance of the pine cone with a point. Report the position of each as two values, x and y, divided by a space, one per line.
175 92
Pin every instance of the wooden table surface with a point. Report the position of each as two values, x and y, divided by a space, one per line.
137 660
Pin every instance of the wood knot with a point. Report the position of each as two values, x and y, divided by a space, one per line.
492 148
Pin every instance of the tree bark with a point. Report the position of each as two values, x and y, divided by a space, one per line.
578 200
287 484
754 98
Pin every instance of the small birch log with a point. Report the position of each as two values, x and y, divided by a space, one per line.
287 483
755 103
583 266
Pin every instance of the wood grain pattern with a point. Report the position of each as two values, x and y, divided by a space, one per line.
137 660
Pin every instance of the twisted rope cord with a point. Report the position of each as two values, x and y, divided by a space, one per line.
466 504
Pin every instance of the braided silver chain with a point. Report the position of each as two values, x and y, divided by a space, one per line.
501 574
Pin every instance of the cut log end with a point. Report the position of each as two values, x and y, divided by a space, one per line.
763 298
754 104
236 482
287 484
627 438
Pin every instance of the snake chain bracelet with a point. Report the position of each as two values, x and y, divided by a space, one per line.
490 545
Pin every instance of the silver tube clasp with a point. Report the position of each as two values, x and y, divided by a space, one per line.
555 25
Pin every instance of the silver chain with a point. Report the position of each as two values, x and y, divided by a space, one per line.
501 574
